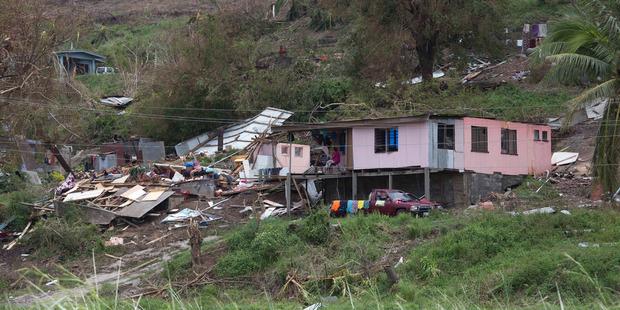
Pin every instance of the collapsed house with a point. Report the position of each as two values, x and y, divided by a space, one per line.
453 159
129 180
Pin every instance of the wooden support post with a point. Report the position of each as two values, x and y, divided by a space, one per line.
390 180
427 183
289 175
354 185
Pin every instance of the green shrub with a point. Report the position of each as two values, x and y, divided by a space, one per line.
242 238
238 263
315 229
10 206
10 182
255 247
67 236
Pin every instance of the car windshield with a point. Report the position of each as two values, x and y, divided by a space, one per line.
402 196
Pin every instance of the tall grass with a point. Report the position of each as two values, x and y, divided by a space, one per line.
486 261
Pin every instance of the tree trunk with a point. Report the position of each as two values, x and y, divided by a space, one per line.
391 275
194 242
61 160
426 57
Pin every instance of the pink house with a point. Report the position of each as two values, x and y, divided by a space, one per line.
464 144
456 159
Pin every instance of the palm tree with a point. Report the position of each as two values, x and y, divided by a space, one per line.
586 46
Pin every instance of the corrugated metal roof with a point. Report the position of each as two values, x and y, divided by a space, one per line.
91 54
236 136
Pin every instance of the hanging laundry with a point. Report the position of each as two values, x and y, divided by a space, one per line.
542 30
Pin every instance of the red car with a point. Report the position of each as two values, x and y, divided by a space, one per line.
385 201
393 202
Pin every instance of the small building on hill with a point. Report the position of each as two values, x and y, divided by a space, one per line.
456 160
74 62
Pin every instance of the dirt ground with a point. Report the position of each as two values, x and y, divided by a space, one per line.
147 245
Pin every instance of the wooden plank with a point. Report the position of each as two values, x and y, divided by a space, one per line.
272 203
12 244
302 195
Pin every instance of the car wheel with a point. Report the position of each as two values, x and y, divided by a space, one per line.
400 211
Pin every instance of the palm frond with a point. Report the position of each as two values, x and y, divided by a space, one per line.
547 49
608 89
570 67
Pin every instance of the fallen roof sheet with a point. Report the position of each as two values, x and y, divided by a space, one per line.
116 101
596 109
563 158
182 215
84 195
237 136
139 208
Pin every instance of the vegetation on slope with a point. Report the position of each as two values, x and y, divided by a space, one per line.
481 260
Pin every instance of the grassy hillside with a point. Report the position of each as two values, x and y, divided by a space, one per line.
489 261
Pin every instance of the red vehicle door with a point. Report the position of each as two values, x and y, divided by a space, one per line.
382 203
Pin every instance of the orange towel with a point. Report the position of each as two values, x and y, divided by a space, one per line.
335 206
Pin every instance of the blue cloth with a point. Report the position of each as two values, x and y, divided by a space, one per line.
351 206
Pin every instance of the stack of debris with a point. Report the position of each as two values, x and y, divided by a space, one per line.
128 191
108 197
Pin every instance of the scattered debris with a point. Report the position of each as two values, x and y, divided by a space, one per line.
114 241
314 306
564 158
588 245
400 262
182 215
485 75
21 235
116 101
566 212
545 210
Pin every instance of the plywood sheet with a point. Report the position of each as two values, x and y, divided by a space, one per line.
134 193
152 196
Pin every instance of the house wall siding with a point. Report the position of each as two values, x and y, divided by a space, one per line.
412 148
533 157
299 164
442 158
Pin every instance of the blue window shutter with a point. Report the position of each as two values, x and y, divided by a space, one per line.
393 139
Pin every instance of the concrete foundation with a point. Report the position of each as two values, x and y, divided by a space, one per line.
450 188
